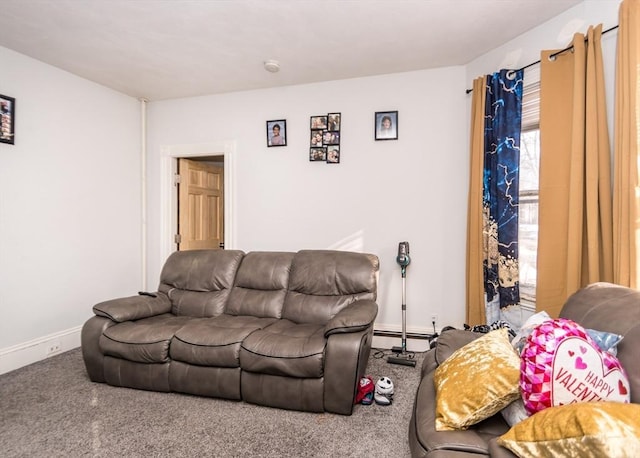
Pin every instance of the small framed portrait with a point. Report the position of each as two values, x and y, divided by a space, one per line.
277 133
7 119
333 154
333 121
317 154
386 125
319 122
316 138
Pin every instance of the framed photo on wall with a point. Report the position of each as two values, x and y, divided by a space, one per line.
331 137
386 125
7 119
277 133
324 141
333 121
319 122
333 154
317 154
316 138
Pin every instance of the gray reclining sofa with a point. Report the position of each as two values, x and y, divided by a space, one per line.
602 306
287 330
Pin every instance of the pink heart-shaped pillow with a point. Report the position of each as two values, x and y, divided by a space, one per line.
561 364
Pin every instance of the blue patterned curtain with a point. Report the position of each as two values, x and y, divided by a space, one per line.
503 115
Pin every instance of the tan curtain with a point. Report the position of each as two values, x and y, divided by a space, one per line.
575 232
626 207
475 275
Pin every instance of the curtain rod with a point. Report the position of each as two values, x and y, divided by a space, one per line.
551 56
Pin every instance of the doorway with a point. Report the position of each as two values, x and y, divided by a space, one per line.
200 216
170 154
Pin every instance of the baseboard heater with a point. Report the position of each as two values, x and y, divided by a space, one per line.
410 335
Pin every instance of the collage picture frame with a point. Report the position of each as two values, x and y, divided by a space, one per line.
324 139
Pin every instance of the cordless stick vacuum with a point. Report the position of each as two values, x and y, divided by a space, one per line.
401 356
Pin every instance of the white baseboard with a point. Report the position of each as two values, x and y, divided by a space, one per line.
389 342
383 342
17 356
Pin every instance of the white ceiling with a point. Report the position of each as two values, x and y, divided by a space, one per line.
161 49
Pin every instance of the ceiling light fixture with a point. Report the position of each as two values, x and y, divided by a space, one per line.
272 66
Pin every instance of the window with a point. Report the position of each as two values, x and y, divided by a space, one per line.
529 174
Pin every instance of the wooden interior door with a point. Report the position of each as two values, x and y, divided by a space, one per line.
200 206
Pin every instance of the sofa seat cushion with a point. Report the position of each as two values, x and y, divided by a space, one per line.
214 341
142 341
285 348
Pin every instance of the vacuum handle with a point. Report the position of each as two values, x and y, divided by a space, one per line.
403 254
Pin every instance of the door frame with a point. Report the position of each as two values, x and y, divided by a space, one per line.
169 196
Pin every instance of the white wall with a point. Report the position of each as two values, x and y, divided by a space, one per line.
69 206
380 194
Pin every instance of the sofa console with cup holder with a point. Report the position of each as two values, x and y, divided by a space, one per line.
280 329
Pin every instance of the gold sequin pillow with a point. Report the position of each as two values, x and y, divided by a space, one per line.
585 429
476 381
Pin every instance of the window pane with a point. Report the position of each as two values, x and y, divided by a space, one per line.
529 160
529 185
528 212
528 245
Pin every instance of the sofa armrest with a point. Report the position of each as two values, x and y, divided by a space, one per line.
356 317
133 308
452 340
346 357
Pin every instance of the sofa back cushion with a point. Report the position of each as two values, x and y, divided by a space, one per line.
198 282
616 309
260 285
323 282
